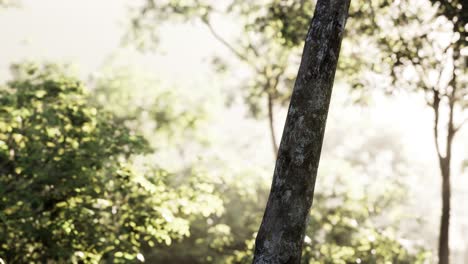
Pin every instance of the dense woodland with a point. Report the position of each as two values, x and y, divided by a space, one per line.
120 166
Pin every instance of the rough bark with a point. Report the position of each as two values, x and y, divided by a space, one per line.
281 233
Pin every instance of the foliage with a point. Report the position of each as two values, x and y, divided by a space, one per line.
342 229
162 114
269 29
347 233
8 3
457 12
229 237
423 49
69 192
216 239
267 80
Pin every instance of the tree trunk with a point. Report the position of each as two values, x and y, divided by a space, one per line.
282 231
444 251
445 165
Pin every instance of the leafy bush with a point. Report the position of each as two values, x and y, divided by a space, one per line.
69 192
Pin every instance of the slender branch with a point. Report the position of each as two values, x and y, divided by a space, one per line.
422 72
457 128
272 125
251 47
227 44
269 88
452 99
436 107
450 129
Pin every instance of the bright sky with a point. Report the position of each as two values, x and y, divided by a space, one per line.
60 30
88 32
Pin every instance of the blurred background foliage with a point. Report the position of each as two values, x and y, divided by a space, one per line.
80 183
122 167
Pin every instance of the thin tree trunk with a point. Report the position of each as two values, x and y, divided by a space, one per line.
282 231
444 250
445 167
271 122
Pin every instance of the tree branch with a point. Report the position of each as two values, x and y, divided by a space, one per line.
269 88
231 48
436 106
457 128
271 122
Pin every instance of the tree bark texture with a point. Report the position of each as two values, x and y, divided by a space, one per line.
282 231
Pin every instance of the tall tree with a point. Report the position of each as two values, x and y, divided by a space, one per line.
261 38
282 231
455 95
430 60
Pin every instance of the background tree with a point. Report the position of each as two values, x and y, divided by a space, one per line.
268 29
69 190
429 60
268 81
